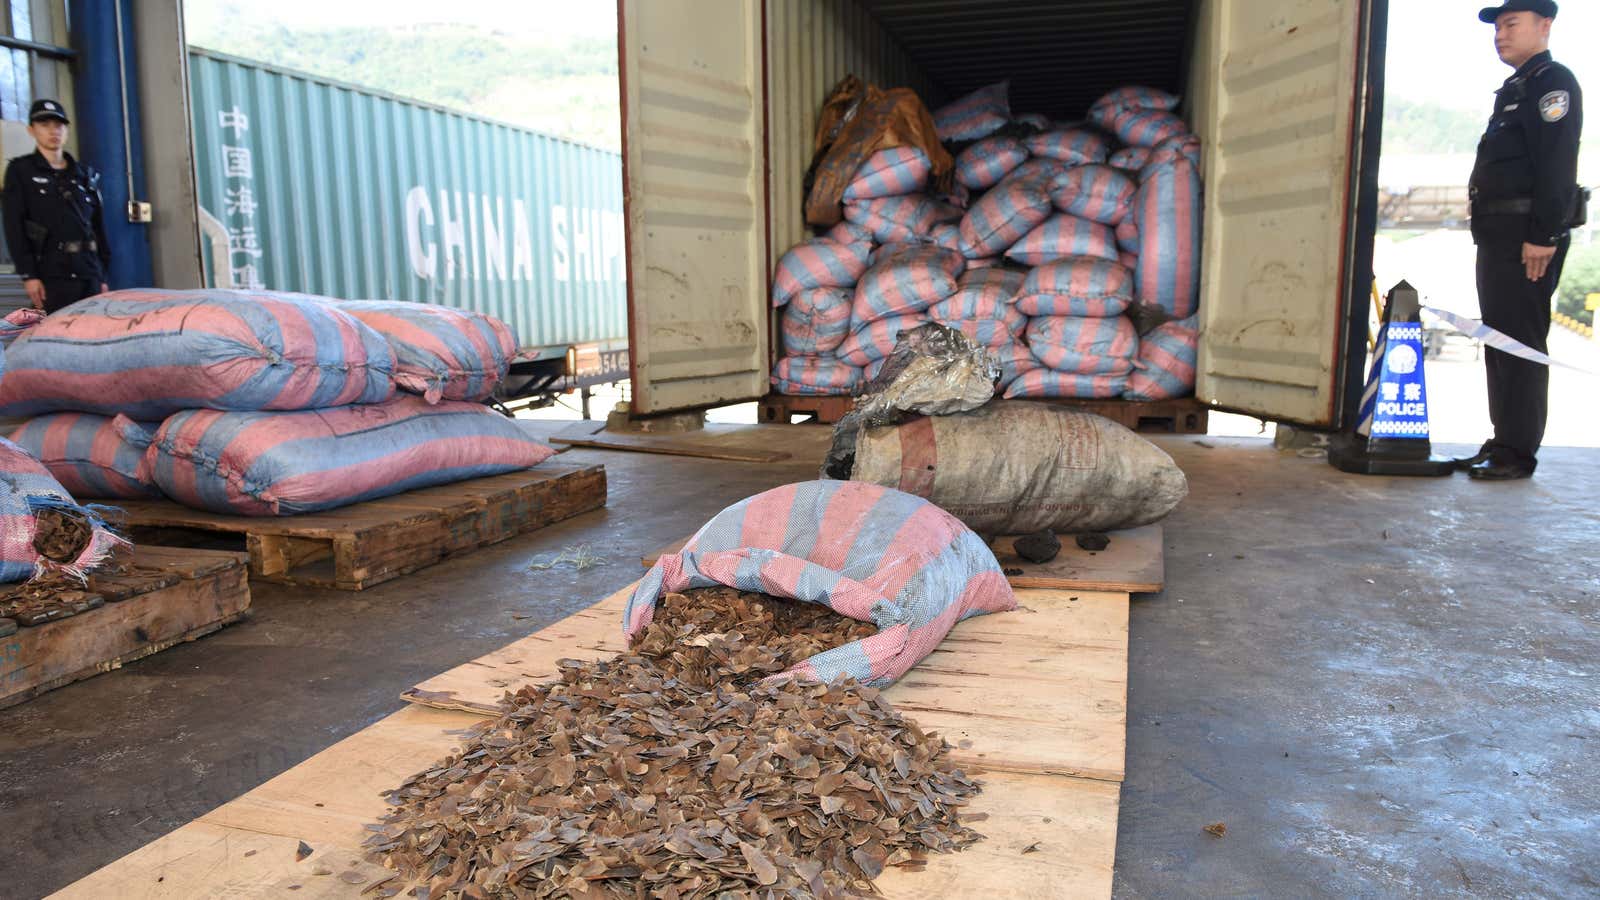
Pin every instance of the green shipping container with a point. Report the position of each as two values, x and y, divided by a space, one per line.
337 190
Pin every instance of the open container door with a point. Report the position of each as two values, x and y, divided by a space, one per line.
694 200
1280 98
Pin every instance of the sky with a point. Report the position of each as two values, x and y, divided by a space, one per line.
1440 53
1438 50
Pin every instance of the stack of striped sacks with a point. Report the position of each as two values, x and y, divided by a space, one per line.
260 403
1050 236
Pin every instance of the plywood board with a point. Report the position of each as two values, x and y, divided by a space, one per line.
247 848
1134 562
1039 690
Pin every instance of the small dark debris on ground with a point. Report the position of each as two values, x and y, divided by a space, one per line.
1216 829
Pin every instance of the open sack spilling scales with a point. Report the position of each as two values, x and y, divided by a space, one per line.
738 745
259 403
1070 250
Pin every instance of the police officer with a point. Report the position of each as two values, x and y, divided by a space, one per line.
54 217
1525 198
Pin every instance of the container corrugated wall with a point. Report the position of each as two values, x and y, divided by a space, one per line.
811 45
336 190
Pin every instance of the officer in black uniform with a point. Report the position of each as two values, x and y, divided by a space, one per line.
1525 198
54 217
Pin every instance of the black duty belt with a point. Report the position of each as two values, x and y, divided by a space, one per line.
1517 206
77 246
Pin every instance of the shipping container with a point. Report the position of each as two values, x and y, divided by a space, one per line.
720 98
315 186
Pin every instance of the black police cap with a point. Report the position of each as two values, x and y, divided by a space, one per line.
1546 8
47 109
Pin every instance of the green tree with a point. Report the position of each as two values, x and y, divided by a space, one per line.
1579 278
1413 127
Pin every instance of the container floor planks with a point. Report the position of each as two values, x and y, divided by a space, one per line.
67 633
369 543
1051 752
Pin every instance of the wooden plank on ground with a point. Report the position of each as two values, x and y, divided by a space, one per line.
364 544
738 443
1039 690
194 596
1134 562
247 848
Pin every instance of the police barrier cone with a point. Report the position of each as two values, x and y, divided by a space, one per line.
1391 437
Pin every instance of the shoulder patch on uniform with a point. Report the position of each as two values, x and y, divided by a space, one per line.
1554 105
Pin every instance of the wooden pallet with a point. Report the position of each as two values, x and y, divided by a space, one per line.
1185 415
1134 562
164 596
1182 416
369 543
779 408
1046 835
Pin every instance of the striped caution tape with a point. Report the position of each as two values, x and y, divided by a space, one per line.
1506 344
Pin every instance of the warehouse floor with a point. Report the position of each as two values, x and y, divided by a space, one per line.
1379 687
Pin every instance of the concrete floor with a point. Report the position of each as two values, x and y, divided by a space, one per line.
1380 687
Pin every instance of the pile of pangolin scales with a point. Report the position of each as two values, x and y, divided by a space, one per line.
680 769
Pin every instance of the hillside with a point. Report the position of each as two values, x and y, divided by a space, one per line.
567 89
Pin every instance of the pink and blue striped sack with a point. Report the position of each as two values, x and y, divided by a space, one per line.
983 164
1004 215
1165 367
17 323
1129 261
1147 127
1084 346
1050 383
1045 172
876 340
816 264
1105 110
1168 214
847 233
986 262
1076 286
981 307
1097 193
907 281
977 115
872 553
1061 236
947 235
1128 232
1184 146
1072 146
816 321
440 352
815 376
900 219
26 489
285 463
1015 360
1130 159
890 173
150 353
92 456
